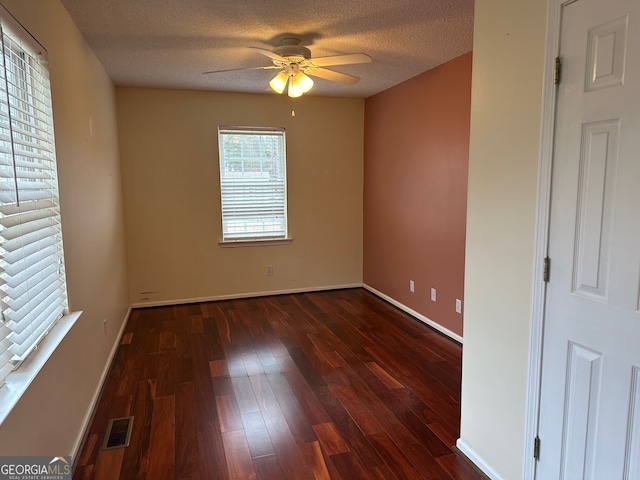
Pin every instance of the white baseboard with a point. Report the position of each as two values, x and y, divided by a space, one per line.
415 314
88 417
237 296
479 462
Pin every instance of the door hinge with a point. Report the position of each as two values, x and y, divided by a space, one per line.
536 448
545 269
557 71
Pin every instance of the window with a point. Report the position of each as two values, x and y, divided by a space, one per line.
32 278
253 183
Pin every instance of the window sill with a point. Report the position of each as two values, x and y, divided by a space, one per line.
19 380
255 242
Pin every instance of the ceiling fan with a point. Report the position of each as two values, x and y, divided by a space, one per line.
295 64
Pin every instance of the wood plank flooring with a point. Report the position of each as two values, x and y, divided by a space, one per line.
325 385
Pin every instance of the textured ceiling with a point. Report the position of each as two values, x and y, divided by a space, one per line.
169 43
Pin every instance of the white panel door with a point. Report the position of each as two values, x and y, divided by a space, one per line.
590 395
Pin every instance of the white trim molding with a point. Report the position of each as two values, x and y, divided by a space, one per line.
255 242
93 405
479 462
532 412
413 313
18 381
237 296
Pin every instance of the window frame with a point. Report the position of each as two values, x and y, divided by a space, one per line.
45 340
256 238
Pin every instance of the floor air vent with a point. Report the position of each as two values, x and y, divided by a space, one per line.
118 433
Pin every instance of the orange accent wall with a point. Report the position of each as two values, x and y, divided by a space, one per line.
416 155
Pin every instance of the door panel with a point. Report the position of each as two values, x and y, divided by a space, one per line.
583 381
606 52
598 162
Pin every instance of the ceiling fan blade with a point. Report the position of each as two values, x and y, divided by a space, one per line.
348 59
268 67
333 76
269 53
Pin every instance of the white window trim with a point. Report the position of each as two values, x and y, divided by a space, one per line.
17 382
256 240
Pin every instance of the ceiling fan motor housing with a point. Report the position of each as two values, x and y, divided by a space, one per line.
292 50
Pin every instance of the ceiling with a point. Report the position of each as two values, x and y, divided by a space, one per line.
169 43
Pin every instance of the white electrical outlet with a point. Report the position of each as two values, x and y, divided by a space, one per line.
269 270
104 325
433 294
458 305
411 286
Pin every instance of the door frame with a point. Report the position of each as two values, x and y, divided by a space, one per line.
538 298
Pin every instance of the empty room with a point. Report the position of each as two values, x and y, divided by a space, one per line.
342 239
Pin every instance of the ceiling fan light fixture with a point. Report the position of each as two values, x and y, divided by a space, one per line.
279 82
295 89
306 83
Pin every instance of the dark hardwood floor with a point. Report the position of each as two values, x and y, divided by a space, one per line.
334 384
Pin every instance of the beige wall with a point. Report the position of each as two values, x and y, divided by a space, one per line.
48 419
169 151
506 104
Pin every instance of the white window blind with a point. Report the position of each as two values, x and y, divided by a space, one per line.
32 278
253 183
